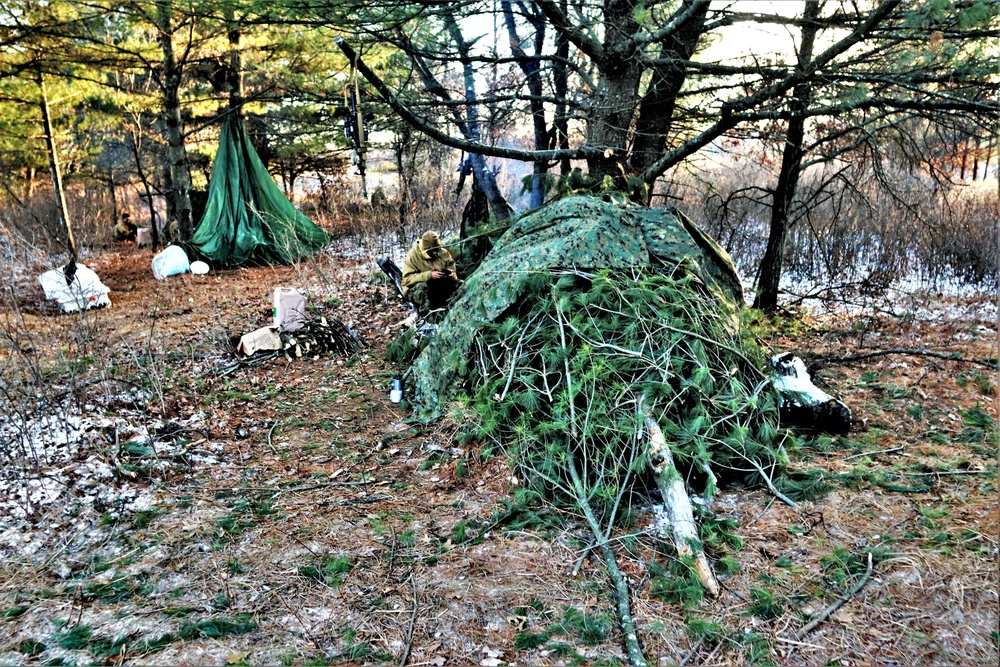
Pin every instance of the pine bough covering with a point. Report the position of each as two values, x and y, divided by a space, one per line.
588 317
570 381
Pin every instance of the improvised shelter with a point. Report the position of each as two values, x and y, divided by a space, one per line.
579 232
248 220
598 347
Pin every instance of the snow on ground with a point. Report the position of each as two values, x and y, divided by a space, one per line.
70 469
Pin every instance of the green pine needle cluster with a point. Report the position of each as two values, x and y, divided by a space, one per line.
569 378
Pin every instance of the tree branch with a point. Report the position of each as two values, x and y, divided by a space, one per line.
425 126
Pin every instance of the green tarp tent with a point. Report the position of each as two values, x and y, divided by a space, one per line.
248 220
580 232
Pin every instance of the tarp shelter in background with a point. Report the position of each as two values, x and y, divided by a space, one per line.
585 233
248 220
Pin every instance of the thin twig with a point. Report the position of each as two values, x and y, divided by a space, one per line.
516 356
880 451
305 628
413 619
690 654
771 487
826 613
949 472
951 356
270 431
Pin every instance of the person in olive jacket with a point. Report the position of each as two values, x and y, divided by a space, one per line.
429 277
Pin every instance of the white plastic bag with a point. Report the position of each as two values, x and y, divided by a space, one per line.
170 262
83 292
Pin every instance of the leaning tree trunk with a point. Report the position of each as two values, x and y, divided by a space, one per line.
147 190
788 178
57 184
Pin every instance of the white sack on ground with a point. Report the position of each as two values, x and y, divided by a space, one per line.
170 262
83 292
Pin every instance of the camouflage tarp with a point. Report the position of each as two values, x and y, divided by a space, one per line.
577 232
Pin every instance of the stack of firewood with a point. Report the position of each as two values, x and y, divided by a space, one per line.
319 337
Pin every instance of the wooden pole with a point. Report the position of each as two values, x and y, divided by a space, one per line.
57 184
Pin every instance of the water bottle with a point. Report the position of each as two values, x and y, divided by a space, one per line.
396 393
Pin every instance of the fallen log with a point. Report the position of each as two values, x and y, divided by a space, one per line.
678 515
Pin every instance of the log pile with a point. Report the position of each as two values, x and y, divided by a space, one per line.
318 338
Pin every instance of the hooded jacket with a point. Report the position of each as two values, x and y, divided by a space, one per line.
420 263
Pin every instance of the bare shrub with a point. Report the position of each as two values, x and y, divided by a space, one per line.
726 199
384 224
852 225
91 213
966 238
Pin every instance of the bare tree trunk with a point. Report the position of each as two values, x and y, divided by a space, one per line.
560 75
57 183
113 191
656 110
613 103
965 159
29 187
975 160
487 179
234 73
532 71
400 144
147 191
177 174
989 156
788 178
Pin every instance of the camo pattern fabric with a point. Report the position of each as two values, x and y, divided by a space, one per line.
580 232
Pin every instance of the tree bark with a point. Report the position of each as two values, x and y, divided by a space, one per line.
234 72
560 83
613 103
177 173
656 109
788 177
487 179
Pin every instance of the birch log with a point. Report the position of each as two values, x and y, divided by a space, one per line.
677 506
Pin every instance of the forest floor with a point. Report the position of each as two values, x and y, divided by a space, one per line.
187 510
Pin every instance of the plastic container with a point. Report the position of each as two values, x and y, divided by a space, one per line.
143 236
396 393
289 309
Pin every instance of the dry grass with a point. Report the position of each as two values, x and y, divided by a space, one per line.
346 534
